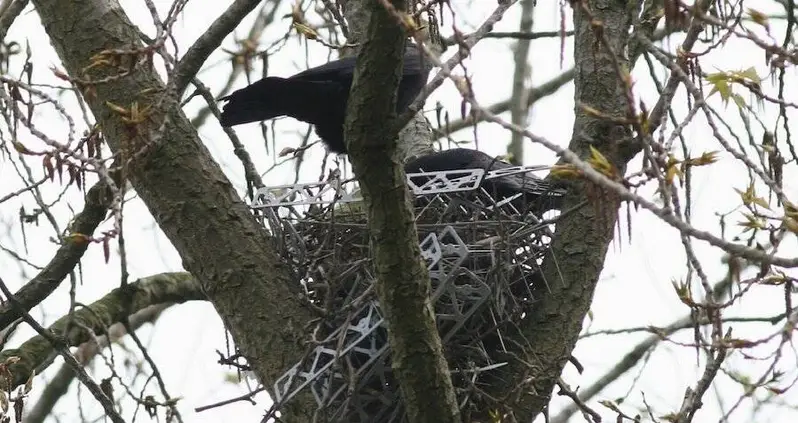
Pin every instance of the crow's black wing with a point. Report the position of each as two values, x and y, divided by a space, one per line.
536 193
344 68
330 71
416 72
415 62
517 182
455 158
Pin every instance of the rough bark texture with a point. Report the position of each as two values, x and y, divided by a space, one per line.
402 281
582 237
190 198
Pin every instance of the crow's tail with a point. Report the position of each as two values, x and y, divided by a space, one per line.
272 97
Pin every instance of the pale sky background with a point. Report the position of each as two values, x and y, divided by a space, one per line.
635 289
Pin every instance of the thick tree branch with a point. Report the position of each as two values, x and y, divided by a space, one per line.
192 201
415 138
35 353
402 281
576 259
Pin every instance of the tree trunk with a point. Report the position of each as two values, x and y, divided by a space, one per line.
582 237
403 284
192 201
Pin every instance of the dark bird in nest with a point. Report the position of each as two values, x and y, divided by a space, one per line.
318 96
537 194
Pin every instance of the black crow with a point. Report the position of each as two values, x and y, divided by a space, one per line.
318 96
538 195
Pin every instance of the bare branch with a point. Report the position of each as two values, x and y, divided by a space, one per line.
58 345
85 353
195 57
458 57
68 255
532 96
114 307
521 73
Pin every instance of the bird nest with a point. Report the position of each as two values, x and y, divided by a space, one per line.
482 253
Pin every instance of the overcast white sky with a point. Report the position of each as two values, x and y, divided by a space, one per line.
635 289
